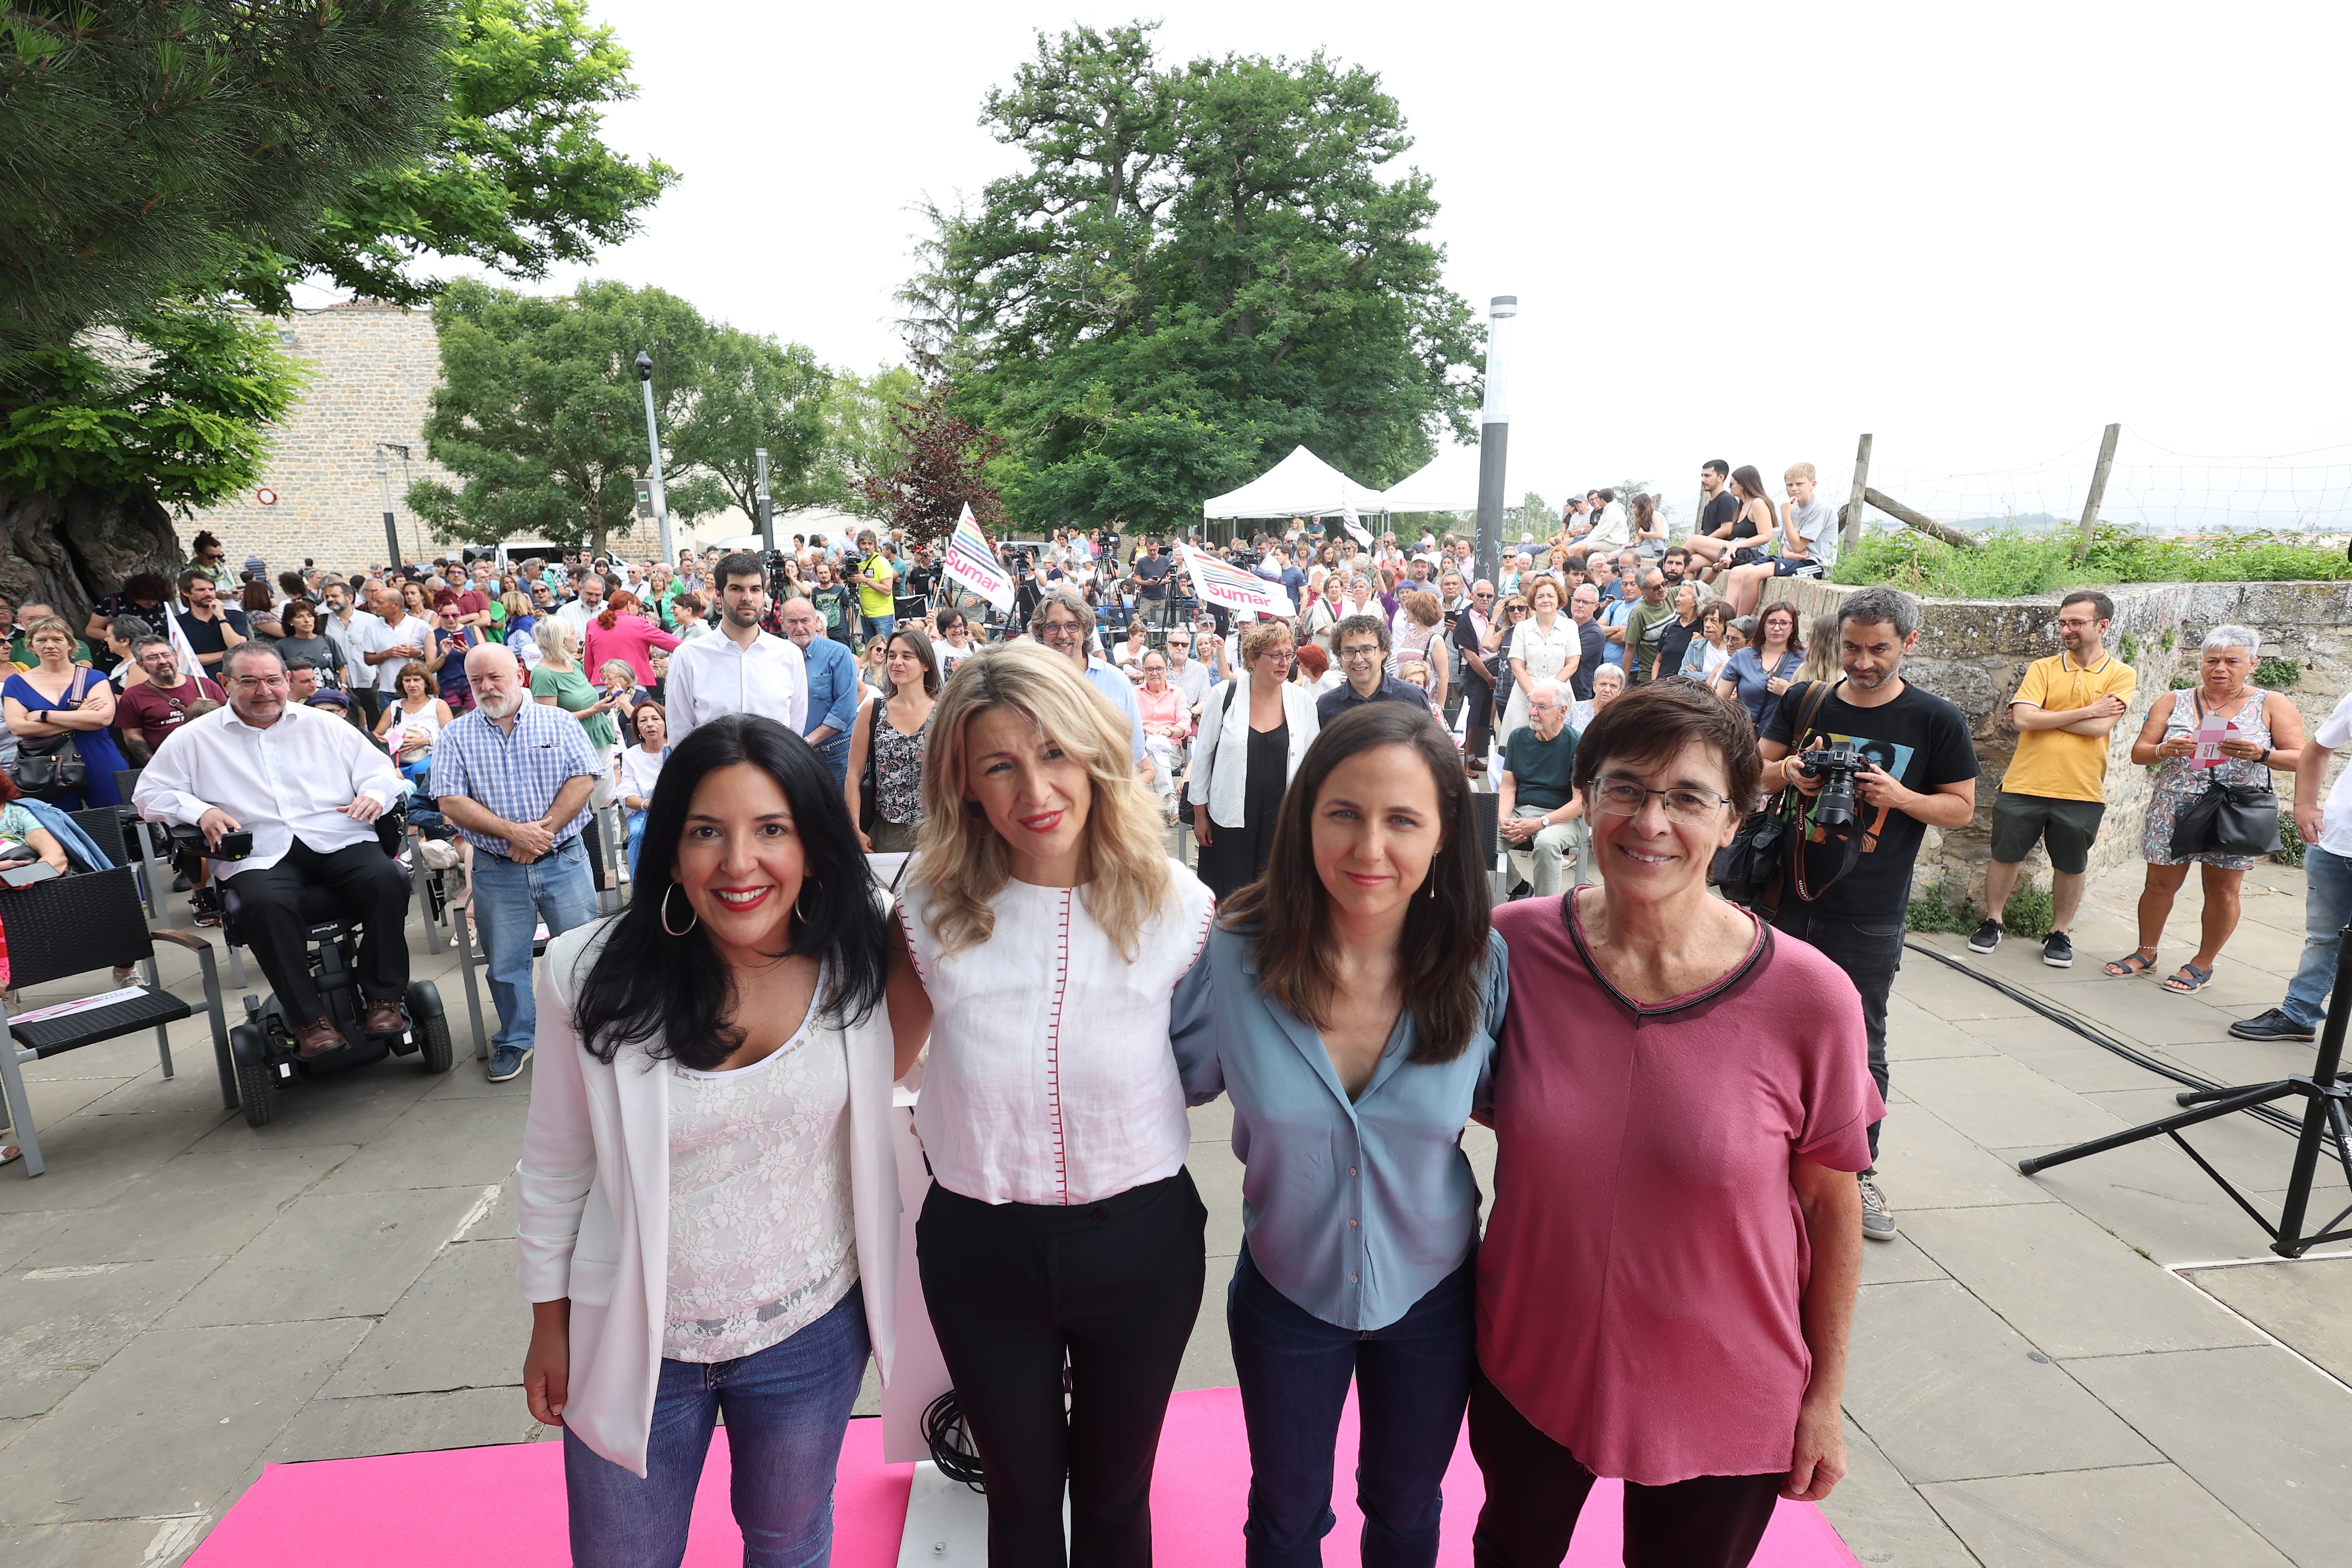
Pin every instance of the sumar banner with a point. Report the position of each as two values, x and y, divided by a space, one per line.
1219 583
970 563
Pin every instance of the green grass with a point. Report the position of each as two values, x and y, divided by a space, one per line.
1942 908
2012 564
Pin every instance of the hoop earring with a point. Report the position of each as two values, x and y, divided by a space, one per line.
798 913
691 924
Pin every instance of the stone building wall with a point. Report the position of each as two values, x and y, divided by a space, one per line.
372 369
1974 652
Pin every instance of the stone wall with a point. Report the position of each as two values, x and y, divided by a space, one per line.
1974 652
372 369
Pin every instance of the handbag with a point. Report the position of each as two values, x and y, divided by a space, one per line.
1749 870
869 782
50 768
2228 819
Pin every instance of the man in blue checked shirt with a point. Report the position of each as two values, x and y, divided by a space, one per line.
832 684
514 775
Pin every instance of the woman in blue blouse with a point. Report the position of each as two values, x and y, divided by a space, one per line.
1347 1002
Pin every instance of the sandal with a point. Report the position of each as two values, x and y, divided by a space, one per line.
2198 979
2136 962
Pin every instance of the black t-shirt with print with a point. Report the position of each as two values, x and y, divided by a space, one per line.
1923 742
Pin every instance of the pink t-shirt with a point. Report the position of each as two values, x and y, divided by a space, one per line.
1640 1287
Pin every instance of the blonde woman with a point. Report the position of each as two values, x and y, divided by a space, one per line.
1037 947
1822 652
1252 733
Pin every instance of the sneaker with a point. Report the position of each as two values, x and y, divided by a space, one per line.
2273 1024
506 1061
1877 1223
2058 951
1988 937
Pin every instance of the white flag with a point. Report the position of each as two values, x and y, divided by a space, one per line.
1356 531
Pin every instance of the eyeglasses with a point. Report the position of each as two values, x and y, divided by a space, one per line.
1623 797
1061 631
1359 655
259 682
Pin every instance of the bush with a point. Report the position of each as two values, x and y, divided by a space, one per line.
2290 850
1941 908
2276 674
2030 913
2183 682
2014 563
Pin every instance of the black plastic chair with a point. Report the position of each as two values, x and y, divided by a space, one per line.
71 925
1486 807
104 825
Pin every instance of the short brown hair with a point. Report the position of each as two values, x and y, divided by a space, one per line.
1425 608
1260 639
1655 721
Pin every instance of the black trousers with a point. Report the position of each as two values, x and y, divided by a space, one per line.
1110 1290
367 705
1870 953
1536 1488
1479 727
367 884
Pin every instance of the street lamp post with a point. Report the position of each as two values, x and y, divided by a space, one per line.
767 510
383 485
1494 436
652 445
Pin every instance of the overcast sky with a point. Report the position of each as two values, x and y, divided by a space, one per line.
1741 231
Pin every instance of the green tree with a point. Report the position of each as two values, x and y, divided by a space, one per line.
541 417
152 145
516 175
1196 269
861 437
751 392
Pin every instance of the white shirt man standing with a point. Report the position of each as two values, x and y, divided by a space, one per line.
579 612
743 669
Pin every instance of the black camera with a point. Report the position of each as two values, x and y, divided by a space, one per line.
1836 764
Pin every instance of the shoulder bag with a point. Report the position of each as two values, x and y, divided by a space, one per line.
51 767
2228 818
1751 868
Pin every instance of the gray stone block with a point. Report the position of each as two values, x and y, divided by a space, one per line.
197 1206
463 1324
406 1423
2131 1518
329 1256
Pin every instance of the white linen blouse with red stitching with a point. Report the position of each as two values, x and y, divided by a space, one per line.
1051 1078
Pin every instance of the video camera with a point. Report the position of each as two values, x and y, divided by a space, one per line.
1837 763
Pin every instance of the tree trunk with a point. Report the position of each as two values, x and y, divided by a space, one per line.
68 549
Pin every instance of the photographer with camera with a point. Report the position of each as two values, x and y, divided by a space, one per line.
1882 761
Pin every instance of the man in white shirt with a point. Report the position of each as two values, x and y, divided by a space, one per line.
309 787
743 669
588 605
347 623
394 638
2327 832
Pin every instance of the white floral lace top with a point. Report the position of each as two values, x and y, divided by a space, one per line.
762 1239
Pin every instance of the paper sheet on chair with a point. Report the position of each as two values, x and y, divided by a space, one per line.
88 1004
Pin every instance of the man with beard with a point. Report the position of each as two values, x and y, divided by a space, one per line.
514 776
832 690
744 669
309 787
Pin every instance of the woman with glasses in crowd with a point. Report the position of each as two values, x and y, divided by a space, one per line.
303 639
1694 1348
1253 733
954 643
1038 945
1703 660
708 1197
1757 675
1347 1004
1167 726
886 747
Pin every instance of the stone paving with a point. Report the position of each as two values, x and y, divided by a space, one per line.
2101 1365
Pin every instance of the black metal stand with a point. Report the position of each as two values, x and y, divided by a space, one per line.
2325 1126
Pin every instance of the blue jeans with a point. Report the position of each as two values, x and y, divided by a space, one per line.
2326 905
636 828
880 627
786 1408
510 900
1412 1380
834 754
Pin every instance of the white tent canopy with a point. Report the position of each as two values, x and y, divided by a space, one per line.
1301 485
1448 483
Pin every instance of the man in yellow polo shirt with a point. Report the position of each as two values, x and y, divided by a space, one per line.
2056 787
877 580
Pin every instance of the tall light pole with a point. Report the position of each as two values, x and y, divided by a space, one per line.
652 445
767 510
384 484
1495 435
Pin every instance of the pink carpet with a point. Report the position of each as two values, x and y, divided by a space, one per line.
503 1508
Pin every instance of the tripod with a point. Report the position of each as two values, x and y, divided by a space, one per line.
2324 1094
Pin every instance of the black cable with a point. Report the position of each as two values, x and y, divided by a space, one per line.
2271 1114
950 1441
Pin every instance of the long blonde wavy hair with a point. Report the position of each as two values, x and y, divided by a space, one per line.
959 856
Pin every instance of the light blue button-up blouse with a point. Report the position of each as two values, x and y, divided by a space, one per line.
1353 1211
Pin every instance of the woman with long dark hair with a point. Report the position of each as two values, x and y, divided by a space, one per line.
1042 934
1347 1002
886 746
709 1202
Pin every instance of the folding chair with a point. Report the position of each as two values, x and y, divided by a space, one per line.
148 844
1486 806
71 925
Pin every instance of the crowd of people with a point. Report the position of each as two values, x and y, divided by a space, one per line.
708 1199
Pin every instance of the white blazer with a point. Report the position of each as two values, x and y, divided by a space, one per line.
593 1201
1224 789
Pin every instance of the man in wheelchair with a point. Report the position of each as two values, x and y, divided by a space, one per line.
308 788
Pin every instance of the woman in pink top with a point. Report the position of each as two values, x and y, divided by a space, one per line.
1680 1103
622 633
